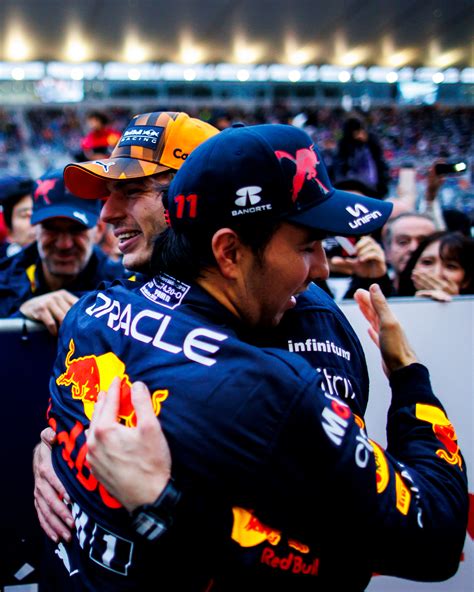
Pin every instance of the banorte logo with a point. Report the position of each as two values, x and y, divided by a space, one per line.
88 375
443 430
306 161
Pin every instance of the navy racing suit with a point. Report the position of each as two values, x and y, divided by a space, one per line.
250 428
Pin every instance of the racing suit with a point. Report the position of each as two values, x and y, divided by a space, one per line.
250 428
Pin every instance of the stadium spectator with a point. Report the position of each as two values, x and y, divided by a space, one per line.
401 236
45 279
16 203
101 139
441 267
270 446
359 156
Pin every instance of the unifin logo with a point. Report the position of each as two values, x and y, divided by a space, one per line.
357 210
104 165
81 216
248 196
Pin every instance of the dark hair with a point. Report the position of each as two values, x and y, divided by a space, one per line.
21 189
351 125
100 115
454 246
186 255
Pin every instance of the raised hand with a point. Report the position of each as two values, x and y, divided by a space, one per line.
385 329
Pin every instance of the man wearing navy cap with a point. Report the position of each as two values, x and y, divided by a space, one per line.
255 441
44 280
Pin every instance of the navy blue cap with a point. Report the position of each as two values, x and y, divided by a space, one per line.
261 172
14 186
51 199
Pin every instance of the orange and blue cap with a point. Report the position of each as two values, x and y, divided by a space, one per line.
152 143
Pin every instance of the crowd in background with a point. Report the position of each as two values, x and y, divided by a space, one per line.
426 249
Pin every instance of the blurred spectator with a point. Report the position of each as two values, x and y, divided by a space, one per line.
16 203
221 119
360 156
45 279
442 266
444 218
401 236
101 139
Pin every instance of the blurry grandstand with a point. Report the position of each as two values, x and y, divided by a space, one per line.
408 69
35 138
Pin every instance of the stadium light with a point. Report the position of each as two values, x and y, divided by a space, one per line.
344 76
134 52
296 55
76 51
444 60
438 77
17 48
294 75
244 53
392 77
189 74
18 74
354 56
134 74
191 55
243 75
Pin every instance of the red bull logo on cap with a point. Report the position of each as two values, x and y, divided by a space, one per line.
443 430
43 188
306 161
88 375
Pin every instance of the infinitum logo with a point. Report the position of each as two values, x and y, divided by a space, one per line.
312 345
247 199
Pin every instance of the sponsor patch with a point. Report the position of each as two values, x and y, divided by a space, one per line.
444 432
382 472
165 290
146 136
403 495
81 216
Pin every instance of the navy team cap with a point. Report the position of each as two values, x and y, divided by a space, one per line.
261 172
51 199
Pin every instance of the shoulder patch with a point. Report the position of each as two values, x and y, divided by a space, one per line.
165 291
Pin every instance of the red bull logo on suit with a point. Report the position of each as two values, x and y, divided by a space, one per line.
443 430
88 375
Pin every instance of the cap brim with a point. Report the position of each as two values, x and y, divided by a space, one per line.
89 179
346 214
87 219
